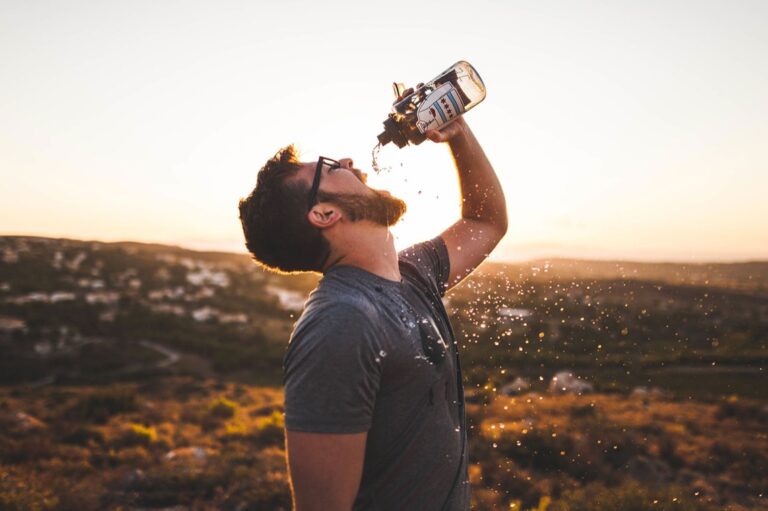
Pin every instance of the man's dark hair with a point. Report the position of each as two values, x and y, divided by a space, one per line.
274 219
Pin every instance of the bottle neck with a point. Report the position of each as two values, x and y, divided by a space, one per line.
392 133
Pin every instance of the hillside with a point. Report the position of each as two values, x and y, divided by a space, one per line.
208 445
86 311
140 377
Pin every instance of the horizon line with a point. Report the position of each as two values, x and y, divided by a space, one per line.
198 247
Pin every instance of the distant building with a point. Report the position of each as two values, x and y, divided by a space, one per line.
204 314
204 292
206 276
62 296
43 348
29 298
168 308
8 324
163 274
289 300
58 259
10 257
108 316
102 297
75 263
233 318
166 293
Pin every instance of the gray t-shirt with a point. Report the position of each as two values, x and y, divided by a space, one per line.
371 354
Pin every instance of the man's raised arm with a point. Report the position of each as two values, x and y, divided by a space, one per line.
483 208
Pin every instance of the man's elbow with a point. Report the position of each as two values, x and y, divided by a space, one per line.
503 225
500 226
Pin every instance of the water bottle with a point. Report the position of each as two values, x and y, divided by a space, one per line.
435 104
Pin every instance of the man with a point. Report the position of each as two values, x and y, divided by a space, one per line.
374 405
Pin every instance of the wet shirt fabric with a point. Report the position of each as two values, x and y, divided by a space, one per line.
371 354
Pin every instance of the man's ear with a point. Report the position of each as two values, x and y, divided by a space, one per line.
324 215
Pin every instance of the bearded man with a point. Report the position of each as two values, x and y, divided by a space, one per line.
374 402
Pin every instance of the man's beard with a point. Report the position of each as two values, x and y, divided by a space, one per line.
381 209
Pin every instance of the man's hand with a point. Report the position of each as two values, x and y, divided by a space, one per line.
446 133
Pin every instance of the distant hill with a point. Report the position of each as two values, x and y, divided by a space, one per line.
76 309
749 276
79 309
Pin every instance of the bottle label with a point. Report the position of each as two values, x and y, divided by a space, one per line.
439 108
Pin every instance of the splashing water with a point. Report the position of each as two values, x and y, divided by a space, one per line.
375 160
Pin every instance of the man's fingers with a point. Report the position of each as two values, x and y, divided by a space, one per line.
407 92
435 136
446 132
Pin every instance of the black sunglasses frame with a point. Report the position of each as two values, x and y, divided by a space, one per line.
332 164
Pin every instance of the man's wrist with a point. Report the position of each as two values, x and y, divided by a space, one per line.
461 134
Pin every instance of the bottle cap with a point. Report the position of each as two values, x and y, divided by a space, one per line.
392 133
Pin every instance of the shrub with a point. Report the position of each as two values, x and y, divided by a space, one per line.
629 496
262 484
743 412
25 449
24 494
270 430
100 405
540 450
582 411
83 435
138 434
166 486
222 408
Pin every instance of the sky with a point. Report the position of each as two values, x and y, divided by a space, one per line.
619 129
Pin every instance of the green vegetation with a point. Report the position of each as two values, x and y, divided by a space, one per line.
138 434
222 408
529 452
629 496
102 403
141 376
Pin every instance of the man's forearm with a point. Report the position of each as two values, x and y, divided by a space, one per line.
481 193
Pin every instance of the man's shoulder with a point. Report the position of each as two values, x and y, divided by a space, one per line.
327 315
426 264
336 301
332 296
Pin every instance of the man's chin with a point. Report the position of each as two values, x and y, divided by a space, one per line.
381 207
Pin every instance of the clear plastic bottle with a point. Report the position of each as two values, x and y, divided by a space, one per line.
435 104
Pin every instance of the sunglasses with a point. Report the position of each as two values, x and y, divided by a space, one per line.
322 163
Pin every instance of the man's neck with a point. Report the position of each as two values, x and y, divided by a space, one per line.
372 250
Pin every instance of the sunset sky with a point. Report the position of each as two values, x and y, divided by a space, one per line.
619 129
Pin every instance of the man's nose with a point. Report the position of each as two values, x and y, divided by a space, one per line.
347 163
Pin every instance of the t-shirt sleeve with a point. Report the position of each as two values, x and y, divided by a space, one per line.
430 259
332 370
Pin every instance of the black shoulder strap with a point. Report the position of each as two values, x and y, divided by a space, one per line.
442 316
